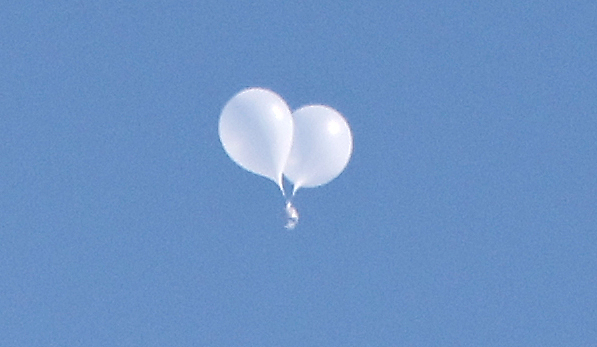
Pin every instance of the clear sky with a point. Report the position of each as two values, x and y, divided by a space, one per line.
467 215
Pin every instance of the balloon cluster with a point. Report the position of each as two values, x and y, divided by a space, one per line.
310 146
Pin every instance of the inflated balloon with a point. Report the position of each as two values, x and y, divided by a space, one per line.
321 148
256 130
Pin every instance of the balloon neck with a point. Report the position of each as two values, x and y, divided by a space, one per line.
294 189
281 186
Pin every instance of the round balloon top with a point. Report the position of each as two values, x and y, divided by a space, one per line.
256 130
321 149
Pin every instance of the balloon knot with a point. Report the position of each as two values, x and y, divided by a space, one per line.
292 216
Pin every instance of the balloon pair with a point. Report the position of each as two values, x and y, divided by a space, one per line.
310 146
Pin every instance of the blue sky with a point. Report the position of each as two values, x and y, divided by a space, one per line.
467 215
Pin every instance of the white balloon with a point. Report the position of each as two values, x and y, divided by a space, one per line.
256 131
321 149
